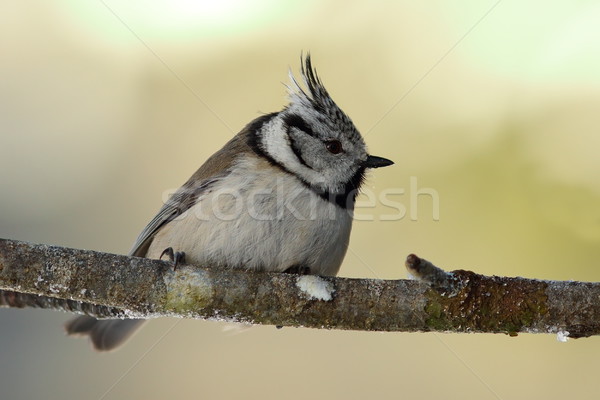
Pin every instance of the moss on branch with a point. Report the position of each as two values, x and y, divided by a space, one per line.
108 285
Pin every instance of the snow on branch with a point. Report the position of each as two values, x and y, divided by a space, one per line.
108 285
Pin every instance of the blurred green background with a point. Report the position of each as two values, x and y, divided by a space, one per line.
106 106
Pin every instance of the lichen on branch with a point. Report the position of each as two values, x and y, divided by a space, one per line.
115 286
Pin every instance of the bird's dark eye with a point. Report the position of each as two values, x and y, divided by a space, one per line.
334 146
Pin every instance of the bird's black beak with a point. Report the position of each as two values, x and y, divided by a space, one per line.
377 162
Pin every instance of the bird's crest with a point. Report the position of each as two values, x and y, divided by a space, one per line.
316 96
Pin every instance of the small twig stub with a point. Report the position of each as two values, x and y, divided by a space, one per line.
115 286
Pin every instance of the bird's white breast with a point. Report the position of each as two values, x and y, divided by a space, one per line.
259 217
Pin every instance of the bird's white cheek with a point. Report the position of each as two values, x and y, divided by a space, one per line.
276 144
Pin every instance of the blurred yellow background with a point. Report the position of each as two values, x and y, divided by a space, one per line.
105 106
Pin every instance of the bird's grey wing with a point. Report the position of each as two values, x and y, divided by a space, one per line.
178 203
215 168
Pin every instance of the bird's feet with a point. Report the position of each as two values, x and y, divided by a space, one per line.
176 257
298 270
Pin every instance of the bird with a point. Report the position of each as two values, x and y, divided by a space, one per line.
279 197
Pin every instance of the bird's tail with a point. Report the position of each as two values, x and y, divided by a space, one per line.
106 334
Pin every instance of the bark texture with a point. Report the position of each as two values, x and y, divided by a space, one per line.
108 285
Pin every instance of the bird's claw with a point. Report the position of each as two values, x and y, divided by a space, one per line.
176 257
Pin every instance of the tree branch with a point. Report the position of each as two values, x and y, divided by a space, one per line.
108 285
